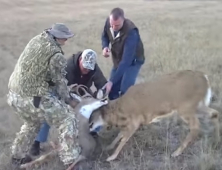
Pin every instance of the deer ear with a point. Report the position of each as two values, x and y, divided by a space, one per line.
99 94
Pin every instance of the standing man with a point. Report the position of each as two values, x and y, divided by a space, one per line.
82 68
39 69
126 49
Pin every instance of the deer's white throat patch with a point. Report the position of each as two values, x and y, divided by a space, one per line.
87 110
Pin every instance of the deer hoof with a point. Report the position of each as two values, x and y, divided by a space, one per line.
111 158
175 154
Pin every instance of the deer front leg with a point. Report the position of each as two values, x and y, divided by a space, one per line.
115 141
125 137
194 129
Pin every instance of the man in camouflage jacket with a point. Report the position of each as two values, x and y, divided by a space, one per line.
39 70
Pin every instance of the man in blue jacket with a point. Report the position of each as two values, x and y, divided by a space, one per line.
126 49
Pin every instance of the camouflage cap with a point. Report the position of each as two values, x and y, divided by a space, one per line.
60 30
89 59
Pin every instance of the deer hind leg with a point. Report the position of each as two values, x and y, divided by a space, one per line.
42 159
194 129
79 159
214 117
125 136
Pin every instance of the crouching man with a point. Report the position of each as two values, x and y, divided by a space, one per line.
82 68
39 69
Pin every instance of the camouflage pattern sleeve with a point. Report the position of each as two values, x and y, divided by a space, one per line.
57 67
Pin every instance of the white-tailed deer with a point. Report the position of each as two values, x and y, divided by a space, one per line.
183 92
83 110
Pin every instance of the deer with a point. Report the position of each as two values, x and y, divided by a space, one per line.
181 93
83 109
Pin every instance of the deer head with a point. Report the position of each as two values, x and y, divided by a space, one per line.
87 103
96 121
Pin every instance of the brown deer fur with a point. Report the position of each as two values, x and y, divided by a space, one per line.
182 92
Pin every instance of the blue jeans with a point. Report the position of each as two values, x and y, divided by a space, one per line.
128 79
43 133
44 130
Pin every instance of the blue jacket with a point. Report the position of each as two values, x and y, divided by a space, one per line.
129 52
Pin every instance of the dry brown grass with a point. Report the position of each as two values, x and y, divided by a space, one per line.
176 35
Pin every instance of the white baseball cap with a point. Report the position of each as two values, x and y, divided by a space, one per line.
89 59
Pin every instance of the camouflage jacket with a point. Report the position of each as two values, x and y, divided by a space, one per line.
41 63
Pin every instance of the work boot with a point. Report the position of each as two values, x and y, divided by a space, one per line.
35 149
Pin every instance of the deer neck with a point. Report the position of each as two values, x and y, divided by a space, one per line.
109 112
83 126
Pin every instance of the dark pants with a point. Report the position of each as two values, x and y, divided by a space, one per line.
128 79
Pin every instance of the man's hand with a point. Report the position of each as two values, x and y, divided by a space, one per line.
108 87
106 52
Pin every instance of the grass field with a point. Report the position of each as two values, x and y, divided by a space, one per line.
176 34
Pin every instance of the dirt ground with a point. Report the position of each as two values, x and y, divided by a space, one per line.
176 34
